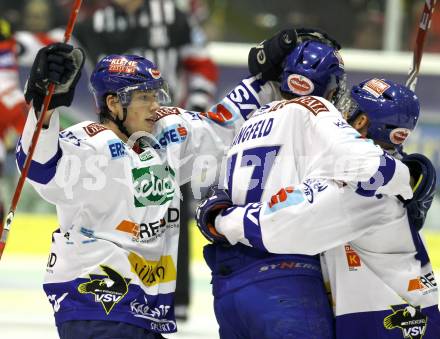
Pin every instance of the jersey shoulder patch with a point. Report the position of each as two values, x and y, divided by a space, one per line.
93 129
313 104
165 111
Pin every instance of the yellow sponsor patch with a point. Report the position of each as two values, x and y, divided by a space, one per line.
153 272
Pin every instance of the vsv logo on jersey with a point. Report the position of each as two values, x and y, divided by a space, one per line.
153 272
117 148
108 290
409 319
153 185
173 134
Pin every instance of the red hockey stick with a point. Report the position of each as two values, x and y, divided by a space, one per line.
425 23
7 225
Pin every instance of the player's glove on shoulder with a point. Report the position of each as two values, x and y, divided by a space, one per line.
423 172
57 63
267 58
305 34
215 201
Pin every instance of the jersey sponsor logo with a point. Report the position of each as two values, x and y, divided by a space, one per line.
165 111
376 87
399 135
157 315
353 259
122 65
173 134
285 197
342 124
117 148
425 284
153 272
288 265
56 301
153 185
51 261
256 130
94 129
107 290
312 187
146 155
147 232
220 114
71 137
408 319
300 84
313 104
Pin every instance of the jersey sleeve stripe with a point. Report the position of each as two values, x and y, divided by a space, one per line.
40 173
383 175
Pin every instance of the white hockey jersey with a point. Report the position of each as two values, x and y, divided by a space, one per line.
114 256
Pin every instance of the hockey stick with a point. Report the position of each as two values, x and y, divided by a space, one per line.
425 23
7 225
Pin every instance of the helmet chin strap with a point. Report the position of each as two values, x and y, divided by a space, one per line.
120 123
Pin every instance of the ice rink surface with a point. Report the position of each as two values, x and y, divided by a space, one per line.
25 311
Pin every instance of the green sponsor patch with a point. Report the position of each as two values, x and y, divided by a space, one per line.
153 185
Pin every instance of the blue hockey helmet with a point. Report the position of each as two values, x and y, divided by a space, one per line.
313 68
123 74
392 109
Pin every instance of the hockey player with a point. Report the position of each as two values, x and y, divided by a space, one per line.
258 294
382 283
112 267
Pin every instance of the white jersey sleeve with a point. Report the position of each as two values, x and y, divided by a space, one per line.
307 219
58 162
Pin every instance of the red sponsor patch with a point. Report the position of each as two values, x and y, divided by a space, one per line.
353 259
376 87
122 65
415 284
165 111
299 84
399 135
221 115
313 104
182 131
94 129
280 196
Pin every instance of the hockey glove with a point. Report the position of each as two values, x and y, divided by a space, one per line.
305 34
60 64
268 56
214 202
424 174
